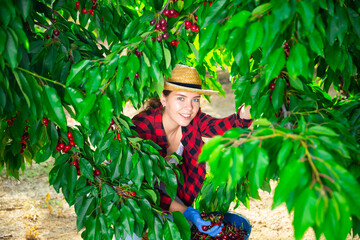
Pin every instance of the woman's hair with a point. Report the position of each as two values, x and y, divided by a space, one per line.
153 103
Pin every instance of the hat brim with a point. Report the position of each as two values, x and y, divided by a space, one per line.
174 87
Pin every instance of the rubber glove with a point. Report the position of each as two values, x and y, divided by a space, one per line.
193 216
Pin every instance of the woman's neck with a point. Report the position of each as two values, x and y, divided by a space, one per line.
170 126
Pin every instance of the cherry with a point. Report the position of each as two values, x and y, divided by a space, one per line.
56 32
205 228
171 12
75 163
194 28
88 182
166 13
77 5
97 172
153 39
203 215
47 36
270 97
22 151
177 43
157 26
136 75
58 147
165 35
45 121
162 21
78 172
173 42
67 148
272 86
205 3
225 237
54 20
195 16
84 11
133 193
61 146
69 135
176 14
91 11
210 3
188 24
287 84
158 38
72 143
152 22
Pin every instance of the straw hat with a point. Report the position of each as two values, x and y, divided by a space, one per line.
185 78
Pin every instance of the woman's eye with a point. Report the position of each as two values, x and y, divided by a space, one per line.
196 100
180 98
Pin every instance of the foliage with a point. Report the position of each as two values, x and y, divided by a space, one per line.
283 57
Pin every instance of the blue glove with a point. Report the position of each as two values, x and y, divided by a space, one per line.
193 216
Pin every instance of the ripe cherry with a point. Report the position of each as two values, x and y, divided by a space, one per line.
45 121
176 14
75 163
166 13
69 135
165 35
173 42
205 228
270 97
84 11
272 86
133 193
77 5
67 148
205 3
287 84
188 24
72 143
195 16
210 3
91 11
47 36
136 75
153 39
177 43
157 26
78 172
61 146
152 22
158 38
56 32
163 28
203 215
54 20
162 21
171 12
97 172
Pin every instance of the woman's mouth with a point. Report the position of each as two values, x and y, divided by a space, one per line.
186 116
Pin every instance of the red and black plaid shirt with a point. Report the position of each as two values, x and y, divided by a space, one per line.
149 127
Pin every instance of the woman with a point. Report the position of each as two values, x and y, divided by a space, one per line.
178 125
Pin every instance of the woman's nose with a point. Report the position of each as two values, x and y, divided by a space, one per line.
189 105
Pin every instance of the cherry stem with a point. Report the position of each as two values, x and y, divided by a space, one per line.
38 76
166 5
42 25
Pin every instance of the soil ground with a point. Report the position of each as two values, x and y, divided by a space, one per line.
31 209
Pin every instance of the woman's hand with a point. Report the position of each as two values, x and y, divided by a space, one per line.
193 216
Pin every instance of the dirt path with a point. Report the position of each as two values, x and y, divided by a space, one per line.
31 209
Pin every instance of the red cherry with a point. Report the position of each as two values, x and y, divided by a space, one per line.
45 121
210 3
152 22
56 32
153 39
158 38
166 13
287 84
205 228
272 86
176 14
54 20
67 148
61 146
188 24
118 137
136 75
270 97
165 35
77 5
78 172
163 28
162 21
75 163
157 26
72 143
171 12
173 42
84 11
97 172
195 16
205 3
133 193
177 43
47 36
69 135
91 11
22 151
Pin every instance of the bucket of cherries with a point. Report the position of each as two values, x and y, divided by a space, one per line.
235 226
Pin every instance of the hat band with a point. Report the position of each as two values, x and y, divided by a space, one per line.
189 85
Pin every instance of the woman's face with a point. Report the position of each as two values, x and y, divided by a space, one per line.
180 107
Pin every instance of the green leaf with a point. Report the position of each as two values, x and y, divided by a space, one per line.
157 232
239 20
83 207
107 192
316 42
261 9
53 107
257 172
50 58
208 148
236 166
278 94
254 37
11 50
93 80
85 107
167 56
284 152
74 77
181 222
132 66
3 40
306 11
139 221
127 219
105 113
321 130
207 39
171 185
86 168
298 61
275 64
171 231
296 83
24 87
304 214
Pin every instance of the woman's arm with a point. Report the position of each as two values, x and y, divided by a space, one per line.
177 206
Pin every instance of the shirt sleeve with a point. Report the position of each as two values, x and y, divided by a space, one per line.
210 126
143 127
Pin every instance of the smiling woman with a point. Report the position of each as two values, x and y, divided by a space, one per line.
178 125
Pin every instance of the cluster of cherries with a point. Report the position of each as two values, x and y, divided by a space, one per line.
45 121
228 231
161 26
287 49
65 148
24 138
84 10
